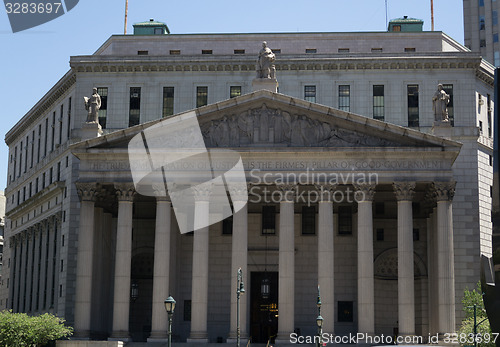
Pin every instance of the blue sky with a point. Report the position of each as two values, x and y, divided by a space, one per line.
32 61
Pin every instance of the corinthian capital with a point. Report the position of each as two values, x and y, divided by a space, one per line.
288 190
326 190
404 190
364 191
445 191
87 191
125 191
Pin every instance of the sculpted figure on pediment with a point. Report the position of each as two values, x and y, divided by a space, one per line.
273 126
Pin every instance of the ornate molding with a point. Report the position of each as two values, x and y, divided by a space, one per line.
125 191
288 190
239 193
87 191
404 190
365 191
203 191
326 190
263 126
444 191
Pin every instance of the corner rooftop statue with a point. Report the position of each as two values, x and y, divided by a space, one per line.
266 71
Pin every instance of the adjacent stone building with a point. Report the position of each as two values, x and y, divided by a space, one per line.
357 107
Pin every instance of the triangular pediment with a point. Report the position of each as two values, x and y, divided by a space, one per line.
267 119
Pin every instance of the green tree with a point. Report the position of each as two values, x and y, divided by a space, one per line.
19 329
466 332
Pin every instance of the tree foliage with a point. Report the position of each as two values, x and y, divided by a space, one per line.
19 329
466 332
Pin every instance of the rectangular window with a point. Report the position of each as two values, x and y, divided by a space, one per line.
410 49
32 148
175 52
43 180
494 17
448 88
345 220
187 310
490 110
495 38
416 234
481 127
308 220
343 50
168 101
345 311
345 98
135 106
51 175
311 50
413 112
201 96
20 158
46 136
239 51
310 93
60 124
206 51
234 91
496 56
26 154
378 102
68 129
59 171
103 111
379 208
481 23
380 234
227 226
15 161
52 143
481 3
142 52
268 220
396 28
377 50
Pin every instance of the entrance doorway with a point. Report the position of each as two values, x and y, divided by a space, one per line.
264 308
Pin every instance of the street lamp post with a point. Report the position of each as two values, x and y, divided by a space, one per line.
240 289
319 319
170 307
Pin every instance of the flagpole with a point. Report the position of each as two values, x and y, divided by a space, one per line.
432 15
126 14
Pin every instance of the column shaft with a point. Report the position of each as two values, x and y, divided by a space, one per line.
446 268
30 274
286 287
366 300
239 258
406 285
123 262
22 283
199 300
84 264
161 275
36 268
326 232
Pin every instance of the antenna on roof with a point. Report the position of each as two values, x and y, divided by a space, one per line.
126 14
432 15
386 22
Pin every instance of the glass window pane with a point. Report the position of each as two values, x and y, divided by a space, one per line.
201 96
413 111
135 106
345 98
310 93
168 101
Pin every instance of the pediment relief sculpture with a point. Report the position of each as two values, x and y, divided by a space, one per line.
261 126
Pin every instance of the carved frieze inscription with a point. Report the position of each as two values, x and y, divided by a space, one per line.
274 126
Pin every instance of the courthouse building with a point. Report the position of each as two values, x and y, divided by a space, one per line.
82 243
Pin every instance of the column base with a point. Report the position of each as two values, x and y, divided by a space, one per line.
197 340
120 336
232 340
81 335
157 340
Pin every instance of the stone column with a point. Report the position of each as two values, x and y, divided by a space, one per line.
87 193
366 290
199 290
43 271
24 265
50 259
286 291
406 282
161 275
445 256
326 233
18 295
36 267
30 274
123 261
239 259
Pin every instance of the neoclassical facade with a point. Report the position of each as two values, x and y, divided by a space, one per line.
351 185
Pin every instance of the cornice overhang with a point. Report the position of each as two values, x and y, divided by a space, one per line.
42 106
38 199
